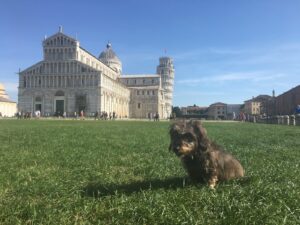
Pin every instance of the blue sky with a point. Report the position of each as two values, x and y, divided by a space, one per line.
223 50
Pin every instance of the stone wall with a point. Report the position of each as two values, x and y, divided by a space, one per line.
145 101
293 120
8 109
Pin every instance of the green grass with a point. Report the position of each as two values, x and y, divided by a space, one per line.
121 172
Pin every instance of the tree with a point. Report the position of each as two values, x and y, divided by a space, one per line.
177 111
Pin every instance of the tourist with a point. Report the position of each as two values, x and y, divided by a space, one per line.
81 115
96 115
37 114
19 115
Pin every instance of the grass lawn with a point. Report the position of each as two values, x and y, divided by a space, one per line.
121 172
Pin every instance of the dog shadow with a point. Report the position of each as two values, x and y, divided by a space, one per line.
98 189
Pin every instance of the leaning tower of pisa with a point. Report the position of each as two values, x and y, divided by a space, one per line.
166 70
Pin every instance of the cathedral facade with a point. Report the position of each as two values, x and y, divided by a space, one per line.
69 79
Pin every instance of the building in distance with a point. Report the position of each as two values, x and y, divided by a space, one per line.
284 104
255 106
217 110
194 110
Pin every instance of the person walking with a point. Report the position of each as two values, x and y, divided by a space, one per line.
81 115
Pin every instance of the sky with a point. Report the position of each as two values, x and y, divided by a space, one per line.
223 50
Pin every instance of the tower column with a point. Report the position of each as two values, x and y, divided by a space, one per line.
166 70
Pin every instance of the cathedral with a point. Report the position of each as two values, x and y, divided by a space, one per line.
70 79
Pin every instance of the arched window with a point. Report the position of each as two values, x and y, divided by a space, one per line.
59 93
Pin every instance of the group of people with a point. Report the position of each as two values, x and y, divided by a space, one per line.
153 116
23 115
75 115
79 115
105 116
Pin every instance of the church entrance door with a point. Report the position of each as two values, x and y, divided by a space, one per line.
60 105
38 107
38 104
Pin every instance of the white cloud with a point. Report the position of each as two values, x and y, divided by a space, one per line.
272 53
196 53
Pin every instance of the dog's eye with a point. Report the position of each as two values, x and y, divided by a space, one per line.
189 138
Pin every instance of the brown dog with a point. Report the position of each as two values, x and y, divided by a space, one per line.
203 159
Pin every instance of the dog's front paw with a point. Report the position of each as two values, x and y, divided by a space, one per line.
213 182
212 186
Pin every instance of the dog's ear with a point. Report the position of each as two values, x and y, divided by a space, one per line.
198 128
174 129
201 133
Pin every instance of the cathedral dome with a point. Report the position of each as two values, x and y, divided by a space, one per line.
109 57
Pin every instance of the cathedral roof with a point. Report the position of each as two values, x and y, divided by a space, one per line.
140 76
108 55
5 100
